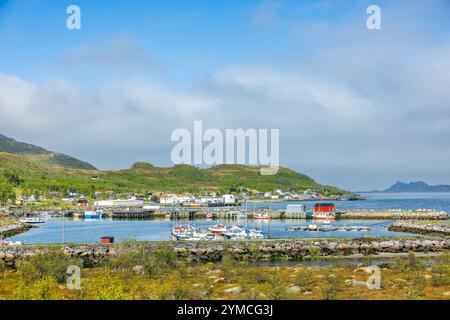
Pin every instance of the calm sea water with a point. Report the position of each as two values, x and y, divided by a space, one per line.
80 231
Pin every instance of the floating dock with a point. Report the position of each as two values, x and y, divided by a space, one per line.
327 228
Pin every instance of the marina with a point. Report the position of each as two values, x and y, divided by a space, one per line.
236 223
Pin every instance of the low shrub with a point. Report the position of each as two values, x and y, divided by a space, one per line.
440 275
154 263
331 288
104 287
417 285
304 279
54 264
42 289
278 289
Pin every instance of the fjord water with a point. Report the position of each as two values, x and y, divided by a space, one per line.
81 231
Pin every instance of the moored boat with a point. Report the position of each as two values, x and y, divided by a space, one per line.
32 220
92 215
255 234
10 243
236 233
263 216
219 228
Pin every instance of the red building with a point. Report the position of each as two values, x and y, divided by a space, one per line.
325 207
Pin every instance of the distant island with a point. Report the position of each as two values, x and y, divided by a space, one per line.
418 186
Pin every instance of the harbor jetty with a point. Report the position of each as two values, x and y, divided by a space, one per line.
226 213
263 250
12 230
421 228
420 214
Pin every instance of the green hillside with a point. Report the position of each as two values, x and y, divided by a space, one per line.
39 155
145 178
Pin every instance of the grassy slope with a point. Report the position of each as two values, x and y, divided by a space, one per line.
144 177
40 155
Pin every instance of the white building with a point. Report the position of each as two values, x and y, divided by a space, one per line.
229 199
175 199
206 200
119 203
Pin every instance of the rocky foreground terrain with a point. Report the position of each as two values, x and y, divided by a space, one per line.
259 250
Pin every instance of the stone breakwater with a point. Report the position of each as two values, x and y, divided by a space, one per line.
394 214
12 230
421 228
93 255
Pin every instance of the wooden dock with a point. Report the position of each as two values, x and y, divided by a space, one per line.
328 228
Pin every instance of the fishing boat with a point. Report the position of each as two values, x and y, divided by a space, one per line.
219 228
263 216
313 227
182 229
32 220
92 215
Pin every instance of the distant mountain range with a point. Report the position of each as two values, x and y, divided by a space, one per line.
39 155
418 186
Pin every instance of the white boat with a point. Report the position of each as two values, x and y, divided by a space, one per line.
313 227
11 243
236 233
324 216
219 228
263 216
255 234
32 220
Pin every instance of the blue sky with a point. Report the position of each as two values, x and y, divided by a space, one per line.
112 92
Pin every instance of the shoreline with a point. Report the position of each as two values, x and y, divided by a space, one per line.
275 250
13 230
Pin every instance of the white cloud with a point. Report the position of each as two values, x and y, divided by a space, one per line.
357 109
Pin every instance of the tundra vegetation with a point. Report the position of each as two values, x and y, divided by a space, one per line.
159 275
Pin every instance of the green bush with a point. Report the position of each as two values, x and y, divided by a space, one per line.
440 275
253 275
304 279
228 266
413 262
417 285
314 252
332 288
154 264
278 288
105 287
54 264
42 289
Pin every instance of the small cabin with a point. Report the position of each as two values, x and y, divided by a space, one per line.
83 203
325 207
